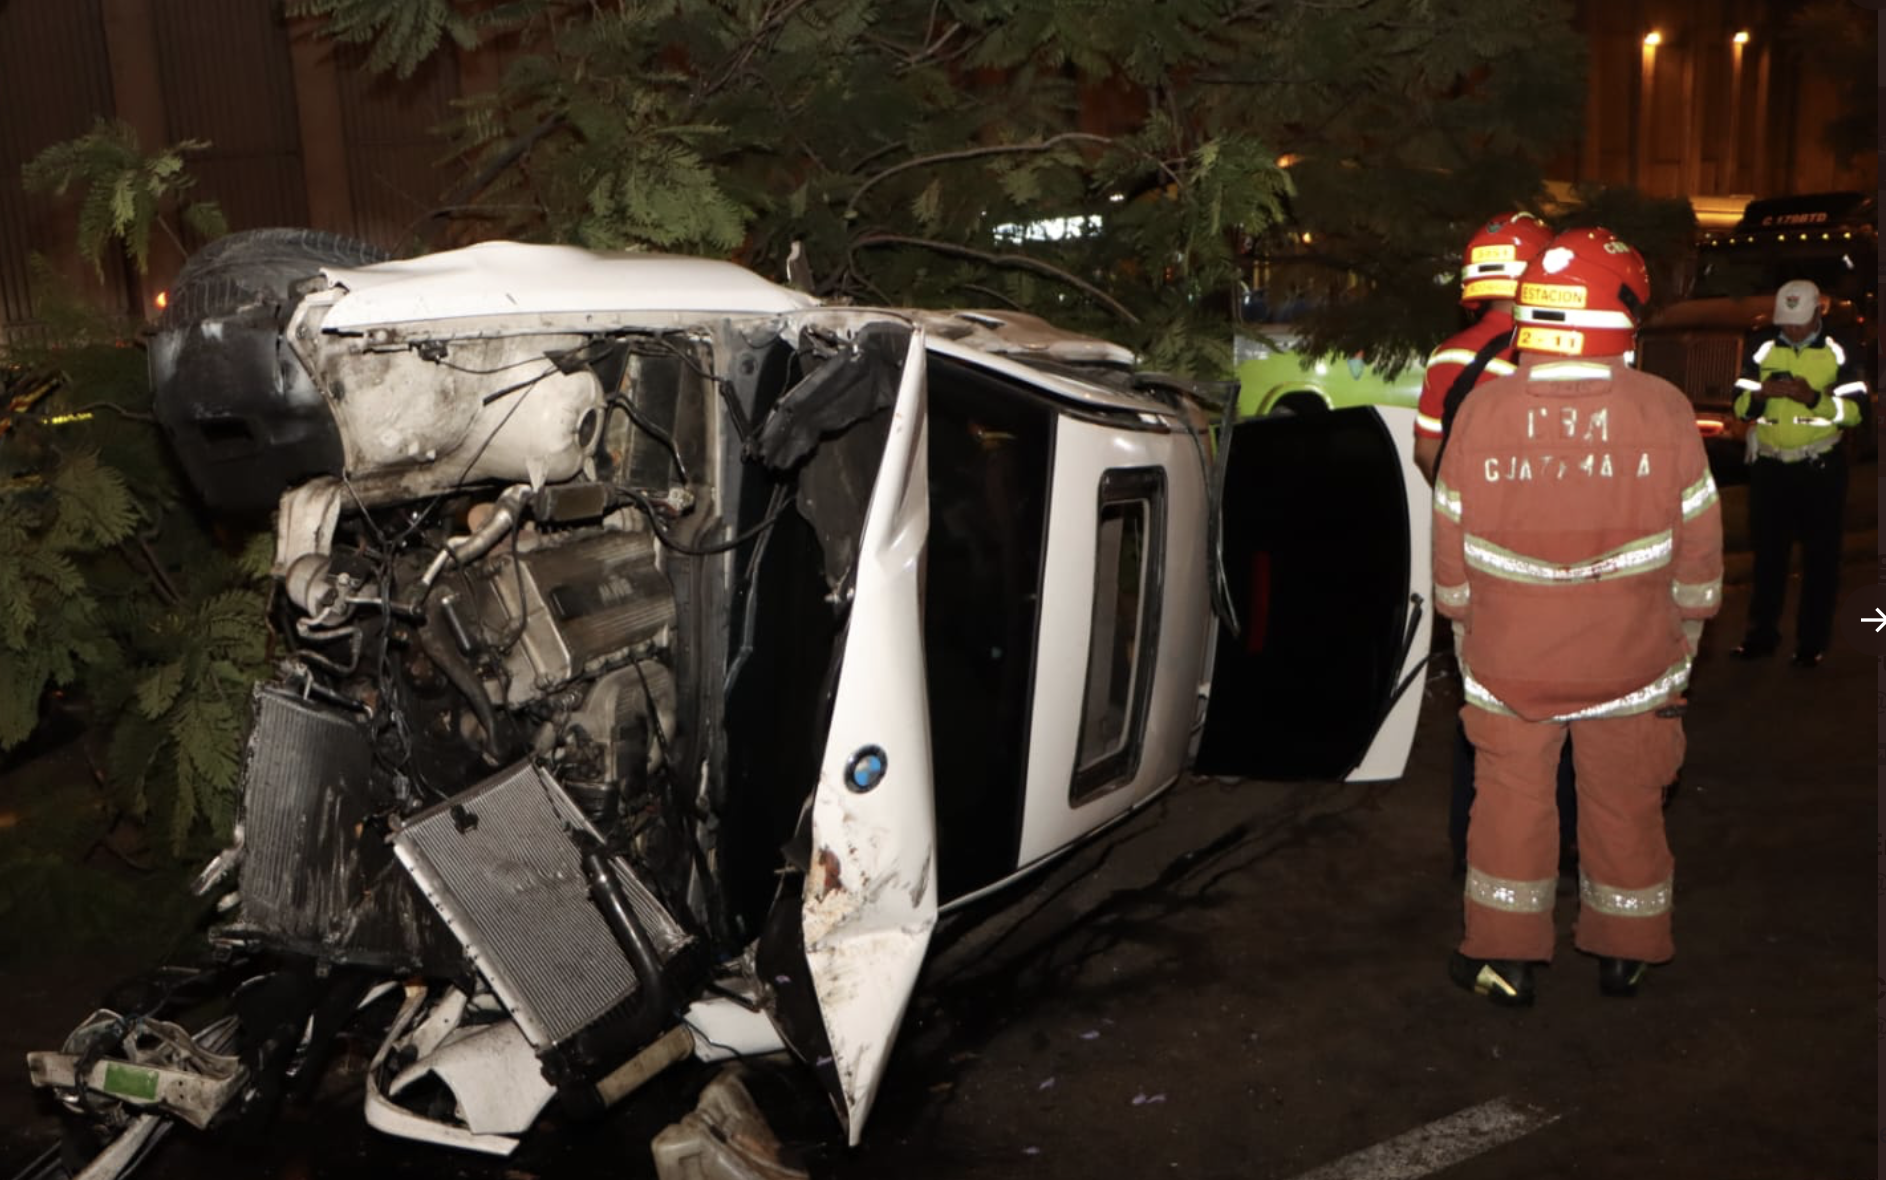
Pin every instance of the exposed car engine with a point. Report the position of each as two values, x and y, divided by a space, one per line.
492 756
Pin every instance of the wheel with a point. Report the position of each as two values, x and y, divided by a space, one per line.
1302 402
257 265
244 420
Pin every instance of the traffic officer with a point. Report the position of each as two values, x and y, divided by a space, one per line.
1801 389
1577 548
1490 267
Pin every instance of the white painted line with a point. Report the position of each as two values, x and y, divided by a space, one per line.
1441 1144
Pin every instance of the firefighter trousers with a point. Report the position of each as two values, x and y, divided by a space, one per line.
1625 867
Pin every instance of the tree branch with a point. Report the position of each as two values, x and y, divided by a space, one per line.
1000 149
909 58
994 295
155 569
462 193
768 25
1015 261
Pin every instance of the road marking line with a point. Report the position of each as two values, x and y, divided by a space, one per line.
1441 1144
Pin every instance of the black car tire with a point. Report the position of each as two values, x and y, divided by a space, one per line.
257 266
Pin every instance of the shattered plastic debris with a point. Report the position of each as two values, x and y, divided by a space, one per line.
1031 1151
1092 1034
1046 1085
726 1135
1147 1099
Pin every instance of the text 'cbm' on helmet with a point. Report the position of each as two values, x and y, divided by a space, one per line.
1497 253
1583 295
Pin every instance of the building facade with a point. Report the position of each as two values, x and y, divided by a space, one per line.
1708 99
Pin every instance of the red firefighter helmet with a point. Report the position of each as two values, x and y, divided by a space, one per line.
1497 253
1583 295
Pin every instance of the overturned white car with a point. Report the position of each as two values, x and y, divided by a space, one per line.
662 651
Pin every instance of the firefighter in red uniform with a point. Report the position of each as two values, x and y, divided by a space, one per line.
1489 277
1490 266
1578 549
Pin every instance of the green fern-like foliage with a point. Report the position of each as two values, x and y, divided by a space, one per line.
124 194
116 601
183 706
49 524
401 35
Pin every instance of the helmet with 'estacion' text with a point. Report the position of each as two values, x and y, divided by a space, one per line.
1584 295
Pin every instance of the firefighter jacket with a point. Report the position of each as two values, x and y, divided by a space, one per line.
1787 429
1454 354
1577 540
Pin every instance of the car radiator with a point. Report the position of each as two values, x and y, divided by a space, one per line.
501 864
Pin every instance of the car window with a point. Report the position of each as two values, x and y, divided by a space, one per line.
1122 636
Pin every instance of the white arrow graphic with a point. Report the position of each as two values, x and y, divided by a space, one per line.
1877 618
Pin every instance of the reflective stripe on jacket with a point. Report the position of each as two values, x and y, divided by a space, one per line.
1446 362
1787 429
1576 530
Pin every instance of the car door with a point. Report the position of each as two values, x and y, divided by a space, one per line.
1324 523
1124 610
870 898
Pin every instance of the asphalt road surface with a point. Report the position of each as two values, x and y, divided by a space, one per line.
1248 981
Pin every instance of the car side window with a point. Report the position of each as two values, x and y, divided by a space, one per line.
1123 635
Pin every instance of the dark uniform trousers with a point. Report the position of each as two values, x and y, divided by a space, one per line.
1788 503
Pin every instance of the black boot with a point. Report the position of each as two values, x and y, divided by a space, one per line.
1506 982
1620 977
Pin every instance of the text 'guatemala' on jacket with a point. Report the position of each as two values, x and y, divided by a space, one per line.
1576 529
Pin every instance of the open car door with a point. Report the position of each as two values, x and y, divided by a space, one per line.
870 900
1325 536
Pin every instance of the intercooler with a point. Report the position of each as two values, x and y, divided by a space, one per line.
317 875
502 866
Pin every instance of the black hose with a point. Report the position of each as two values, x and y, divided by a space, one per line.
607 893
434 640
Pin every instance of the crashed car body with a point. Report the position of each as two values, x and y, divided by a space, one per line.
663 651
